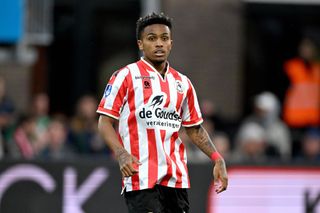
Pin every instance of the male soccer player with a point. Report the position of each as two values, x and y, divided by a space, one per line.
150 100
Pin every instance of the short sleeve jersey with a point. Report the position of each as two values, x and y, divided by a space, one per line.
150 109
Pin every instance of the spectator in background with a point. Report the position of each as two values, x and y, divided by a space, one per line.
58 146
220 139
218 121
251 145
302 101
266 115
84 128
40 112
209 112
6 116
24 143
310 146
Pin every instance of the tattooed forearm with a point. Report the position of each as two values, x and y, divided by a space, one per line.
201 139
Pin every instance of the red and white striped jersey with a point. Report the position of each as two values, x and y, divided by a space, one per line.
150 109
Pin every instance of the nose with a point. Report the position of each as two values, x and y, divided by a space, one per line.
159 43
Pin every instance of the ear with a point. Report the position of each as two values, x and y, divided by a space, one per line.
140 45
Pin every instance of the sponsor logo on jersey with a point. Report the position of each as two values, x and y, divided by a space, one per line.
146 84
154 114
107 90
157 100
144 77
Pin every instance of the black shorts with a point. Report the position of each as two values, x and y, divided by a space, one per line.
160 199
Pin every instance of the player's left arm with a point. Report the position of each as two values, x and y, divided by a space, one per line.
201 139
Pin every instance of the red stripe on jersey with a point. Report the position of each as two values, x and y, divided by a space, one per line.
112 79
152 158
172 154
114 75
147 91
118 101
179 172
179 95
133 131
191 104
165 88
166 178
181 153
101 104
164 84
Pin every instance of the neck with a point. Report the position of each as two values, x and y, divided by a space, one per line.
161 67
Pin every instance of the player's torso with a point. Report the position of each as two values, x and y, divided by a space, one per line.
154 101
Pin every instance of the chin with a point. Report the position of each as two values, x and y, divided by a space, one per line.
159 60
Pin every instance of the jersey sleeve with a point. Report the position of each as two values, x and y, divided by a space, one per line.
191 114
114 95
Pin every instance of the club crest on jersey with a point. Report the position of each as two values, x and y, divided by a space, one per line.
179 86
107 90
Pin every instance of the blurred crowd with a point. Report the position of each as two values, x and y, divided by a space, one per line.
276 130
38 135
261 137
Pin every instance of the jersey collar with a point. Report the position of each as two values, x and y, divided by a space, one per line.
153 69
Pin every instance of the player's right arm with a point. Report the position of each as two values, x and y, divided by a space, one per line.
109 135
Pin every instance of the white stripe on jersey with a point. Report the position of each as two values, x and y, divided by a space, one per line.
143 143
116 84
167 143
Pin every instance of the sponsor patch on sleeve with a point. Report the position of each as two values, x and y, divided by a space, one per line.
107 91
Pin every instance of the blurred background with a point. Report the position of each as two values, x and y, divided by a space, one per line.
255 65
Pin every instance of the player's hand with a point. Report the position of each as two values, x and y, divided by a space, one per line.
128 164
220 176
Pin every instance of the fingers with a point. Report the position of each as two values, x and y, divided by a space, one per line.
129 166
222 185
135 160
220 177
128 170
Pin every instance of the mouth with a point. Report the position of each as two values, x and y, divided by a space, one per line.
159 53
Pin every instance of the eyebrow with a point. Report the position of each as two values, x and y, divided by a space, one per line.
156 34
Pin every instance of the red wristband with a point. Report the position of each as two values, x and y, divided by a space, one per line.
215 156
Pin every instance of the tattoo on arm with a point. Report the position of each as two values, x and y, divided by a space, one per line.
201 139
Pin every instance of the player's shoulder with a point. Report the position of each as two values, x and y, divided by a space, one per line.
122 70
125 70
176 72
184 77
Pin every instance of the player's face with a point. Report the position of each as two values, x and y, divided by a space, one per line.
155 43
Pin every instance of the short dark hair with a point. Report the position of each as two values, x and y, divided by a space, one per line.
152 18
